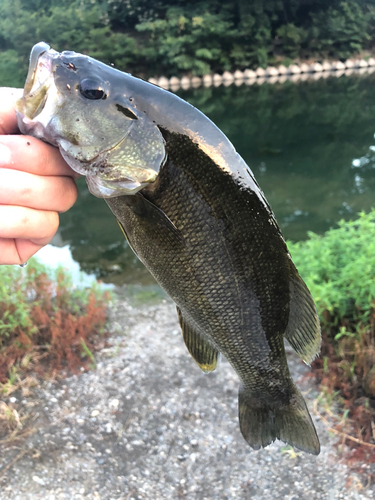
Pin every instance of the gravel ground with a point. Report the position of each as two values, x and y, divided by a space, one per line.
147 424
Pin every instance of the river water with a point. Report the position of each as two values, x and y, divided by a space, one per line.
310 145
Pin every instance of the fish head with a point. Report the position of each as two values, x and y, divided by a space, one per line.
83 107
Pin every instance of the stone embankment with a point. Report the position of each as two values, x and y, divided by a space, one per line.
294 72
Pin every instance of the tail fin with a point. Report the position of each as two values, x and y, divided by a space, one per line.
261 425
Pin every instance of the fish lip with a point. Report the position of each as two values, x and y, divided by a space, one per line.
36 52
37 81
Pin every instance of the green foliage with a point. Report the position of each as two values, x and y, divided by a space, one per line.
175 36
339 269
341 30
11 69
291 38
193 41
65 26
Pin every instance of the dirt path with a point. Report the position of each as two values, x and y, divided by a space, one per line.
147 424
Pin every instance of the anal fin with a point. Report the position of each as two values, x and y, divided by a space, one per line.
205 355
303 329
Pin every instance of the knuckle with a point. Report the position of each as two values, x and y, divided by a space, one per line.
53 223
70 194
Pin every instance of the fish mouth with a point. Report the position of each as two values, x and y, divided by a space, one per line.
38 81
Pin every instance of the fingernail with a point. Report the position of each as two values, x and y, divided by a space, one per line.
5 155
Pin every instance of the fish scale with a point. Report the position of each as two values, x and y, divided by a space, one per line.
220 297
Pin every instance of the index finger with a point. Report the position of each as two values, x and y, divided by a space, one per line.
8 121
22 152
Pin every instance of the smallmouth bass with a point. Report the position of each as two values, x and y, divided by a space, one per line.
194 214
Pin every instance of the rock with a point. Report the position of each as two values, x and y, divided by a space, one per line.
317 67
207 80
228 77
38 480
349 64
238 75
282 70
271 71
338 66
249 74
260 72
294 69
163 82
174 87
174 80
217 80
114 403
327 66
196 81
371 61
153 80
185 82
305 68
94 413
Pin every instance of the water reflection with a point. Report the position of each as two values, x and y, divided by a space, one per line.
310 145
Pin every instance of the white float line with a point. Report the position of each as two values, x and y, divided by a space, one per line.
271 74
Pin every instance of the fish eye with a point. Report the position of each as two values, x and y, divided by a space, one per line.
91 89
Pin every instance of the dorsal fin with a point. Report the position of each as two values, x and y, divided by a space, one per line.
204 354
303 329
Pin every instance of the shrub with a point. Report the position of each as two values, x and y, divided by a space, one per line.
42 312
339 269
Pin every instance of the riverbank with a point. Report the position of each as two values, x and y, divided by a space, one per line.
146 423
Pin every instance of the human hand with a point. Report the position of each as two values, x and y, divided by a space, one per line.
35 186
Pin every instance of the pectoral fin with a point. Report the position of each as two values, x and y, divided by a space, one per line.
303 329
205 355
